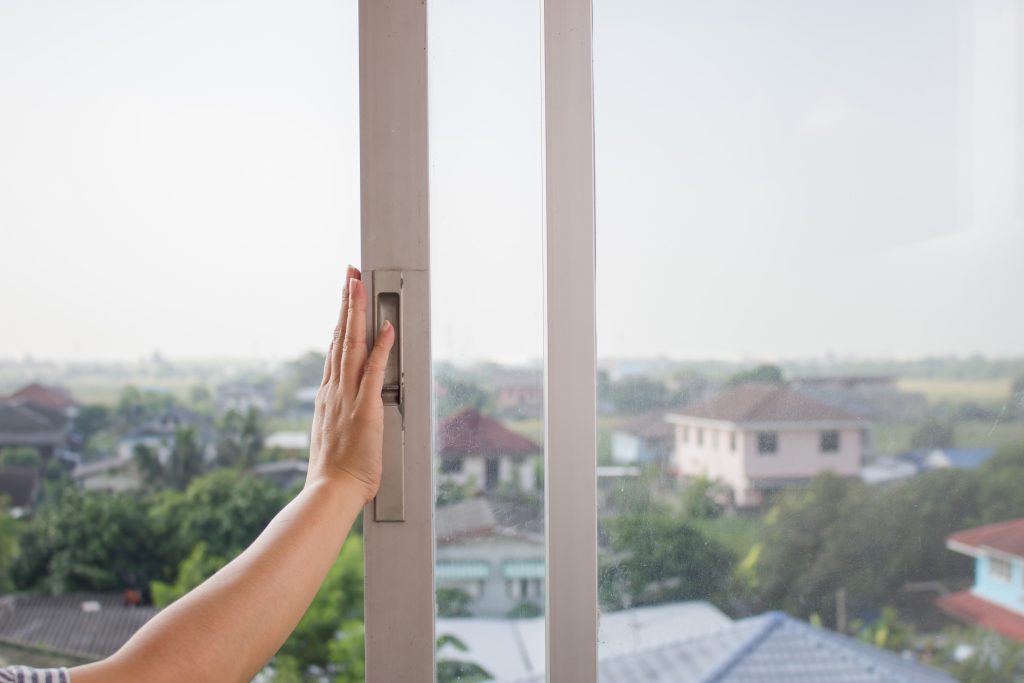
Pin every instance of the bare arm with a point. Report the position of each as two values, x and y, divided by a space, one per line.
231 625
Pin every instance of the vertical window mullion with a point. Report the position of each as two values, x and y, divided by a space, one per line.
399 556
570 342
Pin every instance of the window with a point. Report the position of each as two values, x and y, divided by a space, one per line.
451 465
700 436
829 441
732 441
767 443
685 433
1000 569
714 439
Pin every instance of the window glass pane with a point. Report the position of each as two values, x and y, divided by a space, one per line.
487 313
179 196
809 240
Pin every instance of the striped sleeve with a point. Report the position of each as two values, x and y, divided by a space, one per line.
23 674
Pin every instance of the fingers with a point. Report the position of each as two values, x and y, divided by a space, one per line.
353 347
334 355
373 375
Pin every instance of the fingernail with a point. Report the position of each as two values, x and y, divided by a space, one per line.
353 284
385 327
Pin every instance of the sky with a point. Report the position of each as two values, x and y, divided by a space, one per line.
774 179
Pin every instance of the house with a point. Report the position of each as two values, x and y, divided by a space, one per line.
20 487
510 649
769 648
519 393
645 439
761 438
242 396
32 425
500 568
113 475
158 433
996 600
53 398
81 627
286 474
477 449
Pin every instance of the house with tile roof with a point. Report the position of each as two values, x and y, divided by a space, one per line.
80 627
996 600
24 424
769 648
49 397
474 448
500 567
645 439
760 438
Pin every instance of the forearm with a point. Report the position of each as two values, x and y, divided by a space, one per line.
228 627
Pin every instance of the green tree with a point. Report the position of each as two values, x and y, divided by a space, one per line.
240 438
762 374
457 670
89 541
91 420
638 394
184 463
20 456
135 406
9 544
194 569
453 602
701 499
454 394
328 639
663 558
224 509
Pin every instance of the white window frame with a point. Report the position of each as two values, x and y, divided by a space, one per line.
399 556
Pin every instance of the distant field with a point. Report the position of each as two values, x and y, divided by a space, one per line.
891 439
984 391
534 429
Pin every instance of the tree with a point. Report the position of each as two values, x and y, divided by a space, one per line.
184 463
192 571
454 394
240 439
457 670
9 537
20 456
762 374
328 639
933 433
135 406
453 602
224 509
637 394
663 559
90 541
701 499
91 420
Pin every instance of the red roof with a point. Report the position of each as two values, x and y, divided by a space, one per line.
1007 537
51 397
470 433
968 607
764 403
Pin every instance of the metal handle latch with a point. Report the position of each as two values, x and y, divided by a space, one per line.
389 505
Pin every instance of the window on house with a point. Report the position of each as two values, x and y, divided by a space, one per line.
685 432
700 436
1000 569
451 465
829 441
732 441
767 442
714 439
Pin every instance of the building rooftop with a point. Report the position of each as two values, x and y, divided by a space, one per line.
90 626
468 432
31 423
1007 537
648 426
764 403
50 397
971 609
770 648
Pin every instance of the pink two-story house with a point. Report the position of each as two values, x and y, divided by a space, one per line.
759 438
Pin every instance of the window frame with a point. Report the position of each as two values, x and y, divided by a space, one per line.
825 442
763 438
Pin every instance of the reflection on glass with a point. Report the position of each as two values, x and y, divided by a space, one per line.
486 314
811 384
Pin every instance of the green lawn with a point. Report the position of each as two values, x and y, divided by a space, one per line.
891 439
983 391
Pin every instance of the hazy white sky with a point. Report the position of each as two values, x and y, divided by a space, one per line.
774 179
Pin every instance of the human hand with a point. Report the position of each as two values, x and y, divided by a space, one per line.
348 422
